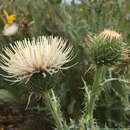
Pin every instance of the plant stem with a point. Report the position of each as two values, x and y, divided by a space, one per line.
53 106
95 91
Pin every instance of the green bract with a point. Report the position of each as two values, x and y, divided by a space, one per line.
105 51
39 84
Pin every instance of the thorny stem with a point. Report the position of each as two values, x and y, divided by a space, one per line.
54 110
95 91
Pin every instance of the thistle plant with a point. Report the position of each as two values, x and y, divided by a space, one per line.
105 49
38 62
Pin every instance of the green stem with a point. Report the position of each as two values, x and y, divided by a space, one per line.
52 105
95 91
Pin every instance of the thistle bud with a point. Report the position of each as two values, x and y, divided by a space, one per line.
107 48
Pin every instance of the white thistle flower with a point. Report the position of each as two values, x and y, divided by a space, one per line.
10 30
41 55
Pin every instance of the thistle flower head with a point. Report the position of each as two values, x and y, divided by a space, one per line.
44 55
110 35
107 48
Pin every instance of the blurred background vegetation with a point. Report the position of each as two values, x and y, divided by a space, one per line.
73 21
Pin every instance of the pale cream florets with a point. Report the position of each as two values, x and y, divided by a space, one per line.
10 30
110 35
41 55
